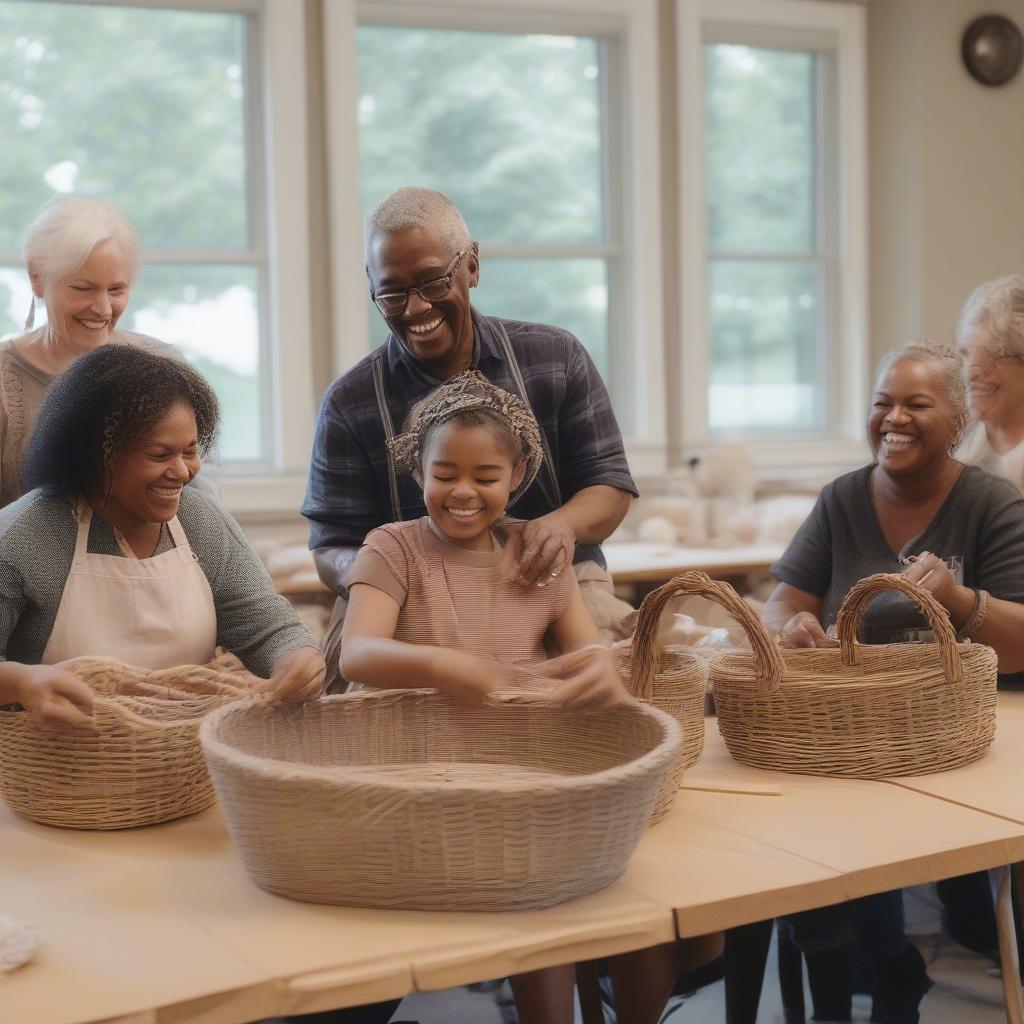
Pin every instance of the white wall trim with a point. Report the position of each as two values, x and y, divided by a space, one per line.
287 194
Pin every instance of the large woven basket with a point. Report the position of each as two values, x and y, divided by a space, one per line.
142 765
670 678
403 798
863 710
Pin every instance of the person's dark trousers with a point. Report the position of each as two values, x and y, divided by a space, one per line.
372 1013
827 936
968 914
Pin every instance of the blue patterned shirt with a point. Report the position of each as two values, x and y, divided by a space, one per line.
348 492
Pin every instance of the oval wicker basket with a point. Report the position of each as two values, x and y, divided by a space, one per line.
671 679
863 710
403 798
142 765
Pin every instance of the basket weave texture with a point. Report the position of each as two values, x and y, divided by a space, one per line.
142 765
863 710
669 678
402 798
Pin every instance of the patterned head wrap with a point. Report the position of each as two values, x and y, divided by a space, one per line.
469 390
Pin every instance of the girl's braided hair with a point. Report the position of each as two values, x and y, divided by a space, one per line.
470 399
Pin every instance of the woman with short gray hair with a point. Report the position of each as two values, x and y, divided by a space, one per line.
990 337
82 258
956 531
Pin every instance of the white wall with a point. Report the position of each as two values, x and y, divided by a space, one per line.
947 168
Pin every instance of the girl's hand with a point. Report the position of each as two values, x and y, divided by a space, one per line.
931 572
298 677
464 677
804 630
589 679
55 698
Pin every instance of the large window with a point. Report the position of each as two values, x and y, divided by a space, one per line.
153 108
512 127
768 294
773 241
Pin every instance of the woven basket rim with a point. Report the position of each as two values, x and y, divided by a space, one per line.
273 770
863 673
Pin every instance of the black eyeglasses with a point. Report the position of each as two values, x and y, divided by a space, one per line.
394 303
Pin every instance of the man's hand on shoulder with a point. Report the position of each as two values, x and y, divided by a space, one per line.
539 550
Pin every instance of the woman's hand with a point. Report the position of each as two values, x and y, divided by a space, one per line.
298 677
589 678
931 572
804 630
465 678
55 698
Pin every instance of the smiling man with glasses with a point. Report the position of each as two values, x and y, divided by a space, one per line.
420 265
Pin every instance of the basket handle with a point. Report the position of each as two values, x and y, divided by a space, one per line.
768 661
861 594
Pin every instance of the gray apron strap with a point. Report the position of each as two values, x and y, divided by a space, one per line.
389 432
517 376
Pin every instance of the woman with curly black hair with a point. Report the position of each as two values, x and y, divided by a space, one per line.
108 553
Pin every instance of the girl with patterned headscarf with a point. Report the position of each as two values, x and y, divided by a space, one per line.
431 604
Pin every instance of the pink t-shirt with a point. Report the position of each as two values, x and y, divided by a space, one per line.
459 599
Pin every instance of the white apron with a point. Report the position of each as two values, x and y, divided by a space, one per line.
152 612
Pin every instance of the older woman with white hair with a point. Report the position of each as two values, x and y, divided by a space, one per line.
82 257
990 337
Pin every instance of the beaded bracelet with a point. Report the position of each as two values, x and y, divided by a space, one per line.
972 626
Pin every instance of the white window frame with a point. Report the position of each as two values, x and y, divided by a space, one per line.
838 29
634 222
277 144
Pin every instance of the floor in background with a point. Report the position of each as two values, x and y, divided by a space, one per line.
965 992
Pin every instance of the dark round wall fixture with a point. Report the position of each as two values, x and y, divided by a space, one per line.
992 49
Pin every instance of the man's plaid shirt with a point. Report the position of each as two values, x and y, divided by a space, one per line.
348 492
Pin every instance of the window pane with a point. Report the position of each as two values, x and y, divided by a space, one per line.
144 106
15 296
571 294
210 314
508 125
760 149
766 373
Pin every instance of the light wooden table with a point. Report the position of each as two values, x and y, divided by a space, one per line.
658 563
161 925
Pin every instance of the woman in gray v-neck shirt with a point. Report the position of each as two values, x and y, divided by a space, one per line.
959 532
955 529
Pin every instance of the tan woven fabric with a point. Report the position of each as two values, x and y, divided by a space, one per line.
142 765
402 798
456 598
870 711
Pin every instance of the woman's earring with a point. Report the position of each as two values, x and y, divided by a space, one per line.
31 318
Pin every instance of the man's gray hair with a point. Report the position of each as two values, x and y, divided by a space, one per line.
413 206
998 306
948 367
61 238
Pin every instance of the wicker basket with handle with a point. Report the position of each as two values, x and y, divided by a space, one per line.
862 710
403 798
142 764
670 678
